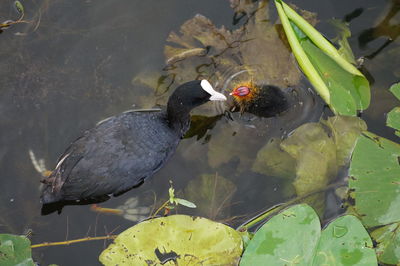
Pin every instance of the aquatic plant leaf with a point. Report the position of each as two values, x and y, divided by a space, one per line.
345 242
185 203
212 194
203 50
338 82
19 7
393 117
393 120
15 250
293 237
344 33
175 240
375 179
233 141
345 89
273 161
388 243
287 238
345 131
395 89
315 155
200 125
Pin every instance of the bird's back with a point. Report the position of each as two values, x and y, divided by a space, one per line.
116 155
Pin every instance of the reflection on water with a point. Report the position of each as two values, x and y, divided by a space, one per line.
73 66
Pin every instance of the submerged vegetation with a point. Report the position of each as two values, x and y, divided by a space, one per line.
332 155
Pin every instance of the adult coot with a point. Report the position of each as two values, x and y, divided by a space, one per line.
264 100
120 152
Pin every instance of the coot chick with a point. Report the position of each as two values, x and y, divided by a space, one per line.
264 100
120 152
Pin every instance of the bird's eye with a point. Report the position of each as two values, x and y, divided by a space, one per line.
241 91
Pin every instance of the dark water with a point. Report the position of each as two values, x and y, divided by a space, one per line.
74 65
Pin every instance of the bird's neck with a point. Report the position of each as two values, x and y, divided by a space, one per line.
178 116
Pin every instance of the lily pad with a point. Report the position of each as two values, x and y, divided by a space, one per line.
175 240
15 250
395 89
388 243
212 194
375 180
294 237
393 117
345 242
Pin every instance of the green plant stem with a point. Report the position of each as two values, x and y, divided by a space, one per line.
279 207
320 41
159 209
301 56
68 242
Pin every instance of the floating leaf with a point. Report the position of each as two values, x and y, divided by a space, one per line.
288 238
388 243
393 117
212 194
395 89
175 240
294 237
393 120
345 242
15 250
338 82
375 180
19 7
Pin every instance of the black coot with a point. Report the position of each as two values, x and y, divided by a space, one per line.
120 152
264 100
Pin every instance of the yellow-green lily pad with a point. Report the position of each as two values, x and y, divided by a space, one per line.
175 240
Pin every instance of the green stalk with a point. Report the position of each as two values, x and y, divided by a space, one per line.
320 41
301 56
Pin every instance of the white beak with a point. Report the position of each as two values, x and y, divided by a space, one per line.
215 95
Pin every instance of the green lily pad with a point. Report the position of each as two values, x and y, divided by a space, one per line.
345 242
15 250
388 243
294 237
393 117
375 180
395 89
288 237
175 240
393 120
